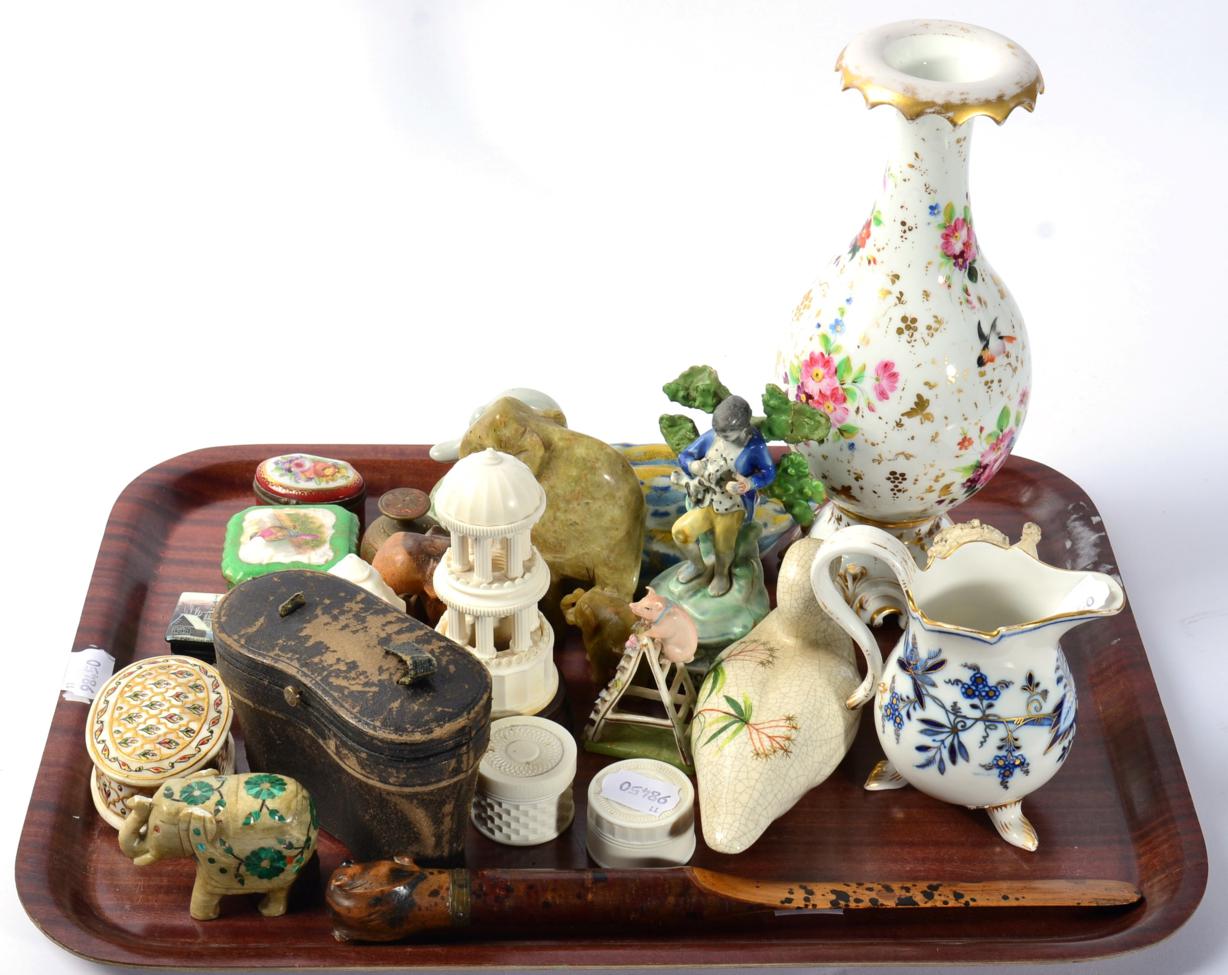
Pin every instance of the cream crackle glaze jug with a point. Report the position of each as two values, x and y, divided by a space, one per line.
910 340
975 704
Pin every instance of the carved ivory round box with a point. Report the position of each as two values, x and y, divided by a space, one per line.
641 813
524 782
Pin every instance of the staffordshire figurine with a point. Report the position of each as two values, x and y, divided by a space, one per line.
668 626
721 471
720 582
663 641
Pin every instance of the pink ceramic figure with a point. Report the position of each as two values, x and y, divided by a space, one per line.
670 626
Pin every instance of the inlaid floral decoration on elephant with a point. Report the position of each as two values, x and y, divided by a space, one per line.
250 833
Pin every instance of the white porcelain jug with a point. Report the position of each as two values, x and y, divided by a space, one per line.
975 704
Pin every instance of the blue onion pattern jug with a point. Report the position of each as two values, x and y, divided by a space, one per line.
975 704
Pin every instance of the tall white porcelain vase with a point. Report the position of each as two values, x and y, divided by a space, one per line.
910 340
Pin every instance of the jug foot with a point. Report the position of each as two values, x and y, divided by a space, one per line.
883 777
1013 825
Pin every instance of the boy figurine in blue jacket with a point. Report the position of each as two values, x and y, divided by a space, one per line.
723 469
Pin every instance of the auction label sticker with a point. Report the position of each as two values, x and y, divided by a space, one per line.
640 792
85 674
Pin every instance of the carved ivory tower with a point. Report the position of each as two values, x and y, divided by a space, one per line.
493 577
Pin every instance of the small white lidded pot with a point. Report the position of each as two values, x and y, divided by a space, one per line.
524 782
641 813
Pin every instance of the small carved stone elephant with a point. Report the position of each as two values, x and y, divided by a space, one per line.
250 833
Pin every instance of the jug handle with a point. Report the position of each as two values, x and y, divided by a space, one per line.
853 541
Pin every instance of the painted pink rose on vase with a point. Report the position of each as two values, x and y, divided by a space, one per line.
959 242
991 460
995 455
818 370
995 446
832 401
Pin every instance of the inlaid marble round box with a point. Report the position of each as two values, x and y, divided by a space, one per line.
155 720
524 792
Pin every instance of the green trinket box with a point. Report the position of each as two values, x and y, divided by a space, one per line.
268 538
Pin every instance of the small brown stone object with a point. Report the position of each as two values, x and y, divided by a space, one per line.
406 562
605 621
402 509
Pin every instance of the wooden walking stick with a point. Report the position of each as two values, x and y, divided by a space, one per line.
387 900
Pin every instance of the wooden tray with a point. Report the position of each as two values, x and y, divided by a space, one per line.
1119 811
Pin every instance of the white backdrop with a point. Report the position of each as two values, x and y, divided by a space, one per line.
303 222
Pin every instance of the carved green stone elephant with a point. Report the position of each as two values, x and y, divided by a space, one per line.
248 833
593 528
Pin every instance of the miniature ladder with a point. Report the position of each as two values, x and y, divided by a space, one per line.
674 690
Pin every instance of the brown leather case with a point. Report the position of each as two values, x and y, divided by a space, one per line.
320 673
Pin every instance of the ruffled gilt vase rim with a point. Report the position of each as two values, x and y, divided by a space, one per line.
941 68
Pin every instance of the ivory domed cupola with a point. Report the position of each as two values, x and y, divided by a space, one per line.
492 577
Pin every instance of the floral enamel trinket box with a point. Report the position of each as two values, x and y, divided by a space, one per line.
308 479
267 538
